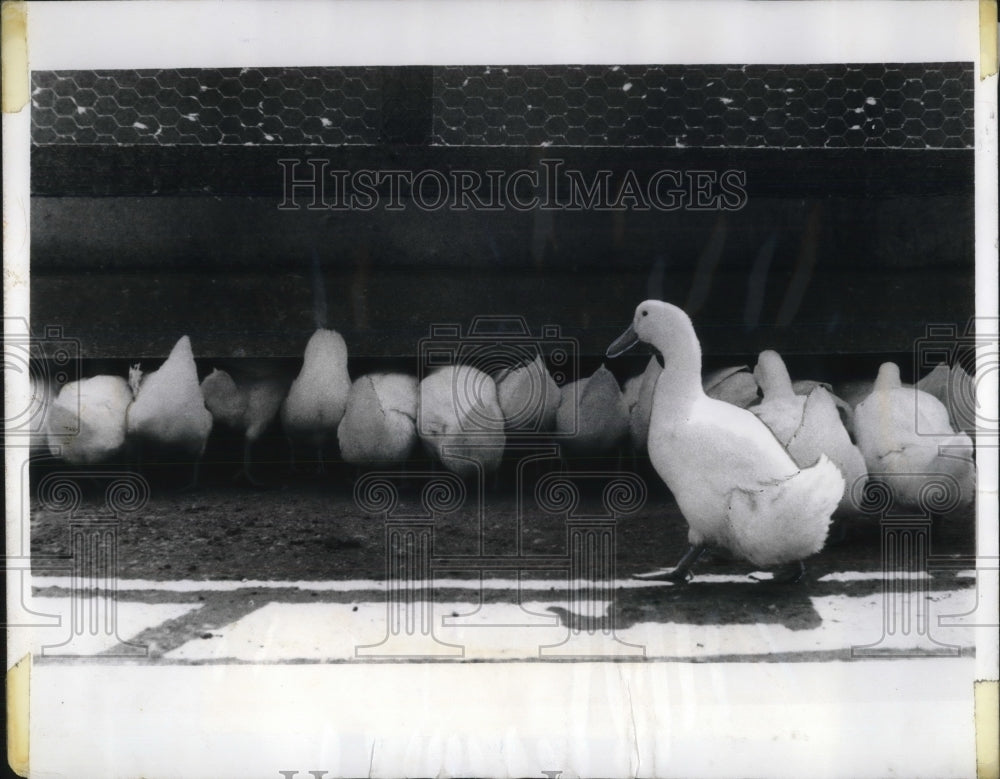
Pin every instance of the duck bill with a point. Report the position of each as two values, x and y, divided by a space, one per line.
623 343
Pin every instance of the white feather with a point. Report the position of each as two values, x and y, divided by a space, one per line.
318 397
592 417
169 409
734 385
906 437
86 422
460 421
808 426
379 425
528 396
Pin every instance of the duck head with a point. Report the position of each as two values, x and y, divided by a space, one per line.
659 324
667 329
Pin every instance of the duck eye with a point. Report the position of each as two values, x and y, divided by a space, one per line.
644 313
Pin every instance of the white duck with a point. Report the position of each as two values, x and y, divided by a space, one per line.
169 409
956 389
844 409
247 406
638 396
459 420
592 418
735 484
905 433
808 425
318 397
528 396
379 425
86 422
735 385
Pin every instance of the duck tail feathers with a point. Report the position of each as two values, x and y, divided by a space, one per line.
789 520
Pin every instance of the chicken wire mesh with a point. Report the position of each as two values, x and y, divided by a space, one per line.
896 106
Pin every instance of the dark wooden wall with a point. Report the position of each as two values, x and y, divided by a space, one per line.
879 244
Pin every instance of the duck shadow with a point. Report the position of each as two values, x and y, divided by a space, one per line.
708 603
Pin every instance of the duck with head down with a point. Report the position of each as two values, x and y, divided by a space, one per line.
808 426
317 399
169 413
735 484
911 445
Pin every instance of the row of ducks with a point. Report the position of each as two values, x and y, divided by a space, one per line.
884 426
757 463
462 415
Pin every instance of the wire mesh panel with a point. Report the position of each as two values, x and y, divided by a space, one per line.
895 106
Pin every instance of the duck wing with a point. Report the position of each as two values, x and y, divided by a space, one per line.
718 445
733 385
737 486
782 415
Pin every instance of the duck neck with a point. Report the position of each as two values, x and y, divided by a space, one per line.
888 378
681 376
780 389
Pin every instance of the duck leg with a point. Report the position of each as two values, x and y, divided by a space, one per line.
193 484
789 573
681 573
246 466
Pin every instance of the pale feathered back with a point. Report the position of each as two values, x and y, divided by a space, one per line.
956 390
528 396
318 397
592 414
906 437
169 409
86 422
379 425
458 410
735 385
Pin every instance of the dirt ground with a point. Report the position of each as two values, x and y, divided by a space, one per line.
312 528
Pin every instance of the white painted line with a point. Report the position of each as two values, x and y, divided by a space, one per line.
283 632
378 585
351 585
872 576
93 636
